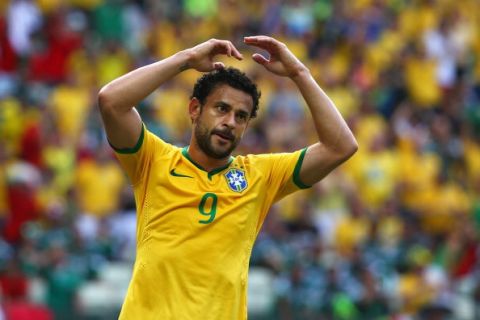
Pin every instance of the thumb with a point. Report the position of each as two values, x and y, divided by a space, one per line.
218 65
258 58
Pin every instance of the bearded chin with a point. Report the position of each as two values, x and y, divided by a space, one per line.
203 137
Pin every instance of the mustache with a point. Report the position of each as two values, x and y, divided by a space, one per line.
224 133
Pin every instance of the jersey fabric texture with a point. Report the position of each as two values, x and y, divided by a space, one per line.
196 229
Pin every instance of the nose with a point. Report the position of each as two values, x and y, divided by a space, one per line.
230 120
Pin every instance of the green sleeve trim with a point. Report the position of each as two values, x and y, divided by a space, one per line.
186 155
296 171
131 150
211 173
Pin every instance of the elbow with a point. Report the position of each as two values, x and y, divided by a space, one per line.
104 100
350 148
353 146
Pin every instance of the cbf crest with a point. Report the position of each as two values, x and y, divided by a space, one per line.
236 180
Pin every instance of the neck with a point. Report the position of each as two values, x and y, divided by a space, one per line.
206 162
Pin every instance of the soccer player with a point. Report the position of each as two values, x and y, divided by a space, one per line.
199 209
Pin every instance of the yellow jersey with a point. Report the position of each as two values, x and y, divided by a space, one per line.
196 229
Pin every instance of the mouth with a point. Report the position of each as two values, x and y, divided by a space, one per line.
224 135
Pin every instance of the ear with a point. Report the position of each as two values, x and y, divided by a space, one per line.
194 109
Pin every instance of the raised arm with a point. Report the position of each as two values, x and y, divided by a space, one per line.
117 99
336 142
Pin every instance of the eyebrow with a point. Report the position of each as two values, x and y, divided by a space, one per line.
225 104
243 113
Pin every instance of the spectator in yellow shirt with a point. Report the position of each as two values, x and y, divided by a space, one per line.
99 182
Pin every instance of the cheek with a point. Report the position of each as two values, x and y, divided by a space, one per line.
202 121
241 132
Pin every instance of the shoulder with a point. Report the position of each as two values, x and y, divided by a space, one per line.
158 145
266 162
260 158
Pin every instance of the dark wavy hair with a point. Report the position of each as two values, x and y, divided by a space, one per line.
231 77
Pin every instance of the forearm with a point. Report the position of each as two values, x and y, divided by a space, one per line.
336 141
332 130
127 91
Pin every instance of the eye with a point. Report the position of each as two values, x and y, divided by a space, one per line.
222 108
242 117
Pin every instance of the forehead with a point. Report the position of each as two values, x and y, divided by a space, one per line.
231 96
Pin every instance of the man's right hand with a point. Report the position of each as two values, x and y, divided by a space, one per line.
201 57
117 99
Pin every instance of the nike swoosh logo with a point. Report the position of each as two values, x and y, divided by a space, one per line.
173 173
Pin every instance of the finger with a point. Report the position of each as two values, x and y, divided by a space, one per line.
229 49
258 58
232 51
236 53
228 46
218 65
261 41
265 46
222 47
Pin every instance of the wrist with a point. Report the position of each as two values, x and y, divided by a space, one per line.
184 59
300 74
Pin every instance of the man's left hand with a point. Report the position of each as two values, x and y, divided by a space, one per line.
281 62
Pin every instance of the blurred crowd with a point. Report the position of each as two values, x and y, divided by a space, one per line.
392 234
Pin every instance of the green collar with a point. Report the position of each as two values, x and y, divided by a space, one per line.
211 173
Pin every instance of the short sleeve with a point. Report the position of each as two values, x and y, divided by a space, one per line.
282 172
137 160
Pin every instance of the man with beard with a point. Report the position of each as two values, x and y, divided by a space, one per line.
199 209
